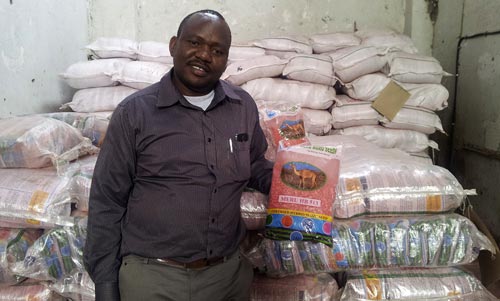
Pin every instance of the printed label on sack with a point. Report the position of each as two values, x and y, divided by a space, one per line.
373 287
433 203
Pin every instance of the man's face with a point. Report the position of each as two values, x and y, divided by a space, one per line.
200 54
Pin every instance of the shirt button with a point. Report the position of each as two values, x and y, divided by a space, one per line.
210 252
211 166
213 220
209 140
215 190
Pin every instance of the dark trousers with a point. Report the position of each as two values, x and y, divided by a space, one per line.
147 279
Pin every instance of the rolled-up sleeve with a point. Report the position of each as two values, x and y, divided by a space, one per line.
111 185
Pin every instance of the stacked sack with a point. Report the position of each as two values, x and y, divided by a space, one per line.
120 68
392 212
39 170
366 69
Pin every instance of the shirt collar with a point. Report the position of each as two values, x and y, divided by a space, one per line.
169 95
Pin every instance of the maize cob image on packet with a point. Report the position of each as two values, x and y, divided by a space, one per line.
413 241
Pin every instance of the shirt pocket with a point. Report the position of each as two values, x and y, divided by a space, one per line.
240 154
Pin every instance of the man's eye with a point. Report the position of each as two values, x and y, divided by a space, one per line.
194 43
217 52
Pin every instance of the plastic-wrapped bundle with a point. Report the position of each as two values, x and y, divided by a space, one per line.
302 193
29 291
91 125
37 141
81 180
13 246
376 181
423 241
56 256
253 205
284 258
294 288
36 198
414 284
78 287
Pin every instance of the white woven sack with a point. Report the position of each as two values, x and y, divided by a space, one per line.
368 87
413 68
405 140
422 157
417 119
367 33
113 48
332 41
152 51
139 74
240 72
284 55
297 44
348 112
92 74
429 96
98 99
37 141
311 68
317 122
352 62
305 95
389 41
237 53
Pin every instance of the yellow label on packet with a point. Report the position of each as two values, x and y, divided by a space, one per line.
433 203
373 287
37 201
353 184
36 204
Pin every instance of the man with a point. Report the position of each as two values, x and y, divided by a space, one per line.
164 217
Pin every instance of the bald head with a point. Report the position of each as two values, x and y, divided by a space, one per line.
206 12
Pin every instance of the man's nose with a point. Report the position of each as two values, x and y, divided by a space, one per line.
204 53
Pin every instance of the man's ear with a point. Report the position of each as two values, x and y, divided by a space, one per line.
171 45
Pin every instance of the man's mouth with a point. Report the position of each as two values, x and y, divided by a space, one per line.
198 70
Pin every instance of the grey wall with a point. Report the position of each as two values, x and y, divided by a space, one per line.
475 156
38 40
158 19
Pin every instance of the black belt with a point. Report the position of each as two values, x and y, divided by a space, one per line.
196 264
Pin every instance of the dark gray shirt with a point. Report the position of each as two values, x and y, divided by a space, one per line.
169 178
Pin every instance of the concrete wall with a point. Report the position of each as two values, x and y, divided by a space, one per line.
476 136
38 40
158 20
